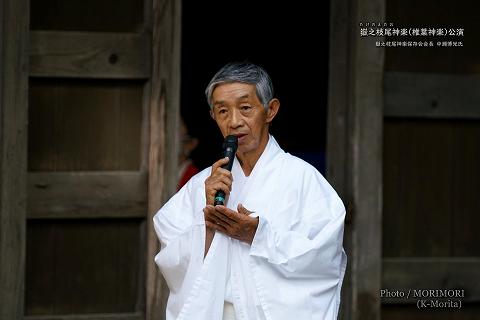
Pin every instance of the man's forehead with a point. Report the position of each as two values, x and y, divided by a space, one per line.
233 90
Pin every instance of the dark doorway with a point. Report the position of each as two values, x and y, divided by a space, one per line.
290 42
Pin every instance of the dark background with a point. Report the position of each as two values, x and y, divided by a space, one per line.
290 42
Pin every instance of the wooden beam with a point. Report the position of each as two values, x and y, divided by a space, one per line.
87 195
164 140
431 273
355 148
90 55
430 95
337 132
14 25
105 316
365 161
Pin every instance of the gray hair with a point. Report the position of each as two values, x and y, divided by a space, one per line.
244 72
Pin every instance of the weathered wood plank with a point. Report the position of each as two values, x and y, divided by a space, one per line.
90 55
365 161
164 122
431 273
75 266
365 118
465 188
410 312
84 124
337 130
14 25
145 127
81 15
156 183
355 149
430 95
87 194
418 201
106 316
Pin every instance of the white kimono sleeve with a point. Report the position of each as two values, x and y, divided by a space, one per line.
312 246
181 230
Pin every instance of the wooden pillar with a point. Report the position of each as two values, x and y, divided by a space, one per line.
14 17
164 140
354 143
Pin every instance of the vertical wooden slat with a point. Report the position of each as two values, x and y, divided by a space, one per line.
145 128
82 266
355 148
14 17
418 184
164 121
337 124
84 125
156 184
465 189
366 134
40 275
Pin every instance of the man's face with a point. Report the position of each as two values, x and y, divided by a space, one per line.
238 111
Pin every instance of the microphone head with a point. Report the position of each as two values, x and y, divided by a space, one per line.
231 141
229 149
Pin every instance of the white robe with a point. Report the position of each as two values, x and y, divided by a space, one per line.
295 265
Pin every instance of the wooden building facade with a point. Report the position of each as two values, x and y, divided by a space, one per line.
98 84
404 153
88 144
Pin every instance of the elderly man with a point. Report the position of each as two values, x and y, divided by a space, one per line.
275 250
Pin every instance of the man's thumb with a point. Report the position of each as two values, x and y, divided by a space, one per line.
241 209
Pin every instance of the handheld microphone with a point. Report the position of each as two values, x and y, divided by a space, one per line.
229 149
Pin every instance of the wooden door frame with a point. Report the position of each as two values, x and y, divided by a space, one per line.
163 139
162 94
354 148
14 25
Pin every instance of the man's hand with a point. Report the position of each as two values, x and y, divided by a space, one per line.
220 179
238 225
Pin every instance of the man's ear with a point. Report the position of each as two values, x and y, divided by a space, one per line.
272 110
212 114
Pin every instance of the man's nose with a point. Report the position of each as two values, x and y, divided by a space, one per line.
236 119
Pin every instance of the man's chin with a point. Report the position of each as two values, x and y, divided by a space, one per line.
245 148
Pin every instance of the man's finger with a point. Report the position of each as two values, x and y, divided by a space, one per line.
224 217
227 182
224 187
215 226
208 209
209 212
241 209
222 223
219 163
209 225
226 211
225 173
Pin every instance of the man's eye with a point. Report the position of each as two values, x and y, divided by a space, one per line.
221 111
246 107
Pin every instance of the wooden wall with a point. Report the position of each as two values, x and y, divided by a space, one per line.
83 266
413 227
84 125
77 197
88 15
13 154
430 161
354 150
431 185
87 137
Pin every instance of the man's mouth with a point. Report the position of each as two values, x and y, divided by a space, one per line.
240 136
